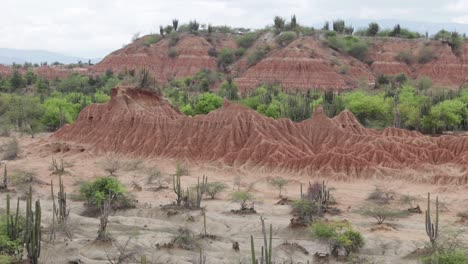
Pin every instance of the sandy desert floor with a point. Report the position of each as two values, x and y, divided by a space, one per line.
148 224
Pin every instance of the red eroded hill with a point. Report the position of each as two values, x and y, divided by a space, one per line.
190 57
306 63
139 123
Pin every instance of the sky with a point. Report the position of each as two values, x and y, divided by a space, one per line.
94 28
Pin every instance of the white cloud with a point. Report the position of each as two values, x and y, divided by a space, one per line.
93 28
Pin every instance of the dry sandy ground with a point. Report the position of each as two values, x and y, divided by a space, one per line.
149 224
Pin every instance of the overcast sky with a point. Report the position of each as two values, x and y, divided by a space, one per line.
93 28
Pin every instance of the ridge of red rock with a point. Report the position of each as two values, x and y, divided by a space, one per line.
140 123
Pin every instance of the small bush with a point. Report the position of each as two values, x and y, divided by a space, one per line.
279 183
98 191
405 57
185 239
133 165
154 176
258 55
172 53
10 149
285 38
424 83
173 39
446 257
214 188
151 39
246 40
380 196
243 198
305 209
181 169
426 55
239 52
111 164
225 58
339 236
381 213
213 52
343 69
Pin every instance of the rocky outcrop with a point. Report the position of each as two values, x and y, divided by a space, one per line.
142 124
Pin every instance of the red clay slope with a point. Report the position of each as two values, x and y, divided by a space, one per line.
306 63
192 57
139 123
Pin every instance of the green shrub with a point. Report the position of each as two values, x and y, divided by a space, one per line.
151 39
172 53
339 236
246 40
98 191
351 45
405 57
229 90
258 55
214 188
373 29
225 58
305 209
285 38
239 52
446 257
279 183
381 213
10 149
426 55
207 102
242 198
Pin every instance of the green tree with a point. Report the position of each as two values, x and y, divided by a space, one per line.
339 236
242 198
373 29
225 58
370 110
279 24
98 191
207 102
446 115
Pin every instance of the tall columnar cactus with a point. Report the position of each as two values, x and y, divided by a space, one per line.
177 188
12 224
5 178
201 188
143 259
63 210
432 229
267 249
324 195
33 230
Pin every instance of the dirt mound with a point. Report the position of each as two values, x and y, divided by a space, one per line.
140 123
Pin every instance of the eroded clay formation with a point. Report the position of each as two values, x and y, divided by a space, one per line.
142 124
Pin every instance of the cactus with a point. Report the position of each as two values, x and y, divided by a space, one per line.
202 257
201 190
252 249
177 188
324 195
204 222
5 178
432 230
12 225
33 229
143 259
58 168
302 195
267 249
63 210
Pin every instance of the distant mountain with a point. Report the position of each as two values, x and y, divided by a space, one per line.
10 56
421 27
